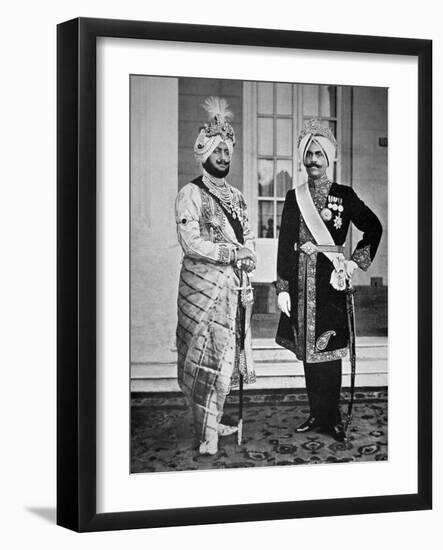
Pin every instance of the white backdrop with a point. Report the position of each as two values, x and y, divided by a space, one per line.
27 219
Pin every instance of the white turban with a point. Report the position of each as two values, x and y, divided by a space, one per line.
313 131
216 131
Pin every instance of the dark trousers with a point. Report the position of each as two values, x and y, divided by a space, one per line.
323 383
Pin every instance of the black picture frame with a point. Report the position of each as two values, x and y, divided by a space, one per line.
77 249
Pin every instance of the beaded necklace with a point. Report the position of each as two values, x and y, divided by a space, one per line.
223 191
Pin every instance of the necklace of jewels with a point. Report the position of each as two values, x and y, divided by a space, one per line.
320 194
224 194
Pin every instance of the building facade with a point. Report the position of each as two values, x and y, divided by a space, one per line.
166 114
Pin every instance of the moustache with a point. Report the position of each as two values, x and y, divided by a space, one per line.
313 165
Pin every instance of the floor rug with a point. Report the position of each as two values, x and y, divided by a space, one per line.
163 438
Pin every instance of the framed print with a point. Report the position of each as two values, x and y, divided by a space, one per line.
244 274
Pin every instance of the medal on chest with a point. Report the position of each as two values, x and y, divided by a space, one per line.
335 206
326 214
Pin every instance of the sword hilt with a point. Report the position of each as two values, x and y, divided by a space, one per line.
349 288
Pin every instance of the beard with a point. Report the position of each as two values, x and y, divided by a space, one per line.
214 170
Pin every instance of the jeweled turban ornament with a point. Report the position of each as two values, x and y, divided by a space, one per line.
313 130
216 131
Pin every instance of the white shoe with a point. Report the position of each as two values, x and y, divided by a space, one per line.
208 447
224 430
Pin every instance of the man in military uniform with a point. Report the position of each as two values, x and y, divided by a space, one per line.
312 273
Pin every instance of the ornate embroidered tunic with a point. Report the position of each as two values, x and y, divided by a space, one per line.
209 354
317 330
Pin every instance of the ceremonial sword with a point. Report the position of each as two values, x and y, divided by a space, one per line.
245 295
350 311
240 411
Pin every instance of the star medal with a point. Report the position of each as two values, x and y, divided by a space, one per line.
337 221
326 214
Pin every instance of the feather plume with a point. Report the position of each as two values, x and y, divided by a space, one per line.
217 107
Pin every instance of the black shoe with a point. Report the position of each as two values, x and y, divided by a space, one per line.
307 426
338 432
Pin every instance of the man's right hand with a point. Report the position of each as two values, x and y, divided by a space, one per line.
284 303
244 252
246 259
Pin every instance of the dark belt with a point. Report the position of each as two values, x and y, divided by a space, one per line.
310 248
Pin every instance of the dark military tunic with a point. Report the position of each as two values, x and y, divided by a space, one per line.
317 330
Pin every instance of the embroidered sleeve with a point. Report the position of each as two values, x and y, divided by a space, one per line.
187 217
362 257
224 254
368 223
281 285
248 234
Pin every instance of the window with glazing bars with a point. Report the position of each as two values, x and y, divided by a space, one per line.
281 110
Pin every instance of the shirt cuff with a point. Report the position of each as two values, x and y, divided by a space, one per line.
224 254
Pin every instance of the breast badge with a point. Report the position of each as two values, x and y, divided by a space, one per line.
337 222
326 214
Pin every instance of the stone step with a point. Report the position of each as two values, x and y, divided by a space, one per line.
263 370
276 368
286 356
265 349
170 385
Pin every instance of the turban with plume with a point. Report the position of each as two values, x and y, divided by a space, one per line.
217 130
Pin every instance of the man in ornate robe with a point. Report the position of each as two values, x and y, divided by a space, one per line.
213 330
312 274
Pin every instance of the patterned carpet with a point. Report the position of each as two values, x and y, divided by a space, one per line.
163 439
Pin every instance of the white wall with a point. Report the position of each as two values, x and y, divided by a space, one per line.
27 223
370 170
155 254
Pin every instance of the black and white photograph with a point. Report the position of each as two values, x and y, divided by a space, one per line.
221 275
258 274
